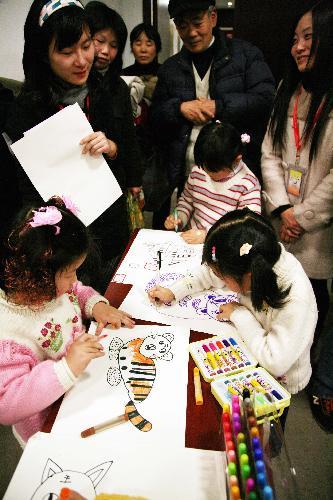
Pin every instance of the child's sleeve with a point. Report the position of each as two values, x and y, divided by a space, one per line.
185 202
27 386
201 278
291 331
251 197
88 298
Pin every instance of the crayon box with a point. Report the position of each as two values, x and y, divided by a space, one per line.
216 356
269 398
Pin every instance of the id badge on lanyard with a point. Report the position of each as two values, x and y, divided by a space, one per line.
296 176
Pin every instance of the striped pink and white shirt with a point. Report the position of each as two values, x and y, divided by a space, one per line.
204 201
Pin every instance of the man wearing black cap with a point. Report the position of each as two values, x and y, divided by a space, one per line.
212 77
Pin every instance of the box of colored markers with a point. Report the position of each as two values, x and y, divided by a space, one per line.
269 398
218 355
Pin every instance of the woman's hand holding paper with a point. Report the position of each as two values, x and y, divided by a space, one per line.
97 143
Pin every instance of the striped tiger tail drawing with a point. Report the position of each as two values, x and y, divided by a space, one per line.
136 367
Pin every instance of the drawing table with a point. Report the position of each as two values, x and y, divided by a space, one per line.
202 422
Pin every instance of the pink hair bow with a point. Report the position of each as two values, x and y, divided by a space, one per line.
46 216
70 205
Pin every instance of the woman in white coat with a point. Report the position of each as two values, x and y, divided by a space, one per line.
297 152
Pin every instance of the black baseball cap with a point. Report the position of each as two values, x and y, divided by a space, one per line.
178 7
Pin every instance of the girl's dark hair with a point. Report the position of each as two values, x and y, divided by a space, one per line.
227 235
35 254
151 33
217 146
103 17
66 26
318 80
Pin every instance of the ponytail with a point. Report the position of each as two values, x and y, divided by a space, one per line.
264 287
244 242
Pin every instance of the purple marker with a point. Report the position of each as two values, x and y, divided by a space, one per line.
226 343
277 394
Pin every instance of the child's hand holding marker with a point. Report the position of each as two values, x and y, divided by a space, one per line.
226 310
84 348
105 314
172 222
159 295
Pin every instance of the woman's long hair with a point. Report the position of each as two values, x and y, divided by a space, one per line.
66 26
318 81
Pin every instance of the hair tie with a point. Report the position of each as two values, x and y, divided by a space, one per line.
245 249
46 216
214 259
54 5
245 138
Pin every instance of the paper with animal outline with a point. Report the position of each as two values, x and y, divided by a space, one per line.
94 400
141 261
197 311
50 463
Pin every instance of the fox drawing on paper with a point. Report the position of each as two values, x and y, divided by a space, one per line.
54 478
137 369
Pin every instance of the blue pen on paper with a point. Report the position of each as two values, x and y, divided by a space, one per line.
175 216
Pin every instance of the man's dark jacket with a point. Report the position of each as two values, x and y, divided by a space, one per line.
241 84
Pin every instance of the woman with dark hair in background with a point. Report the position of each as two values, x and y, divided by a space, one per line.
109 34
58 57
297 153
145 45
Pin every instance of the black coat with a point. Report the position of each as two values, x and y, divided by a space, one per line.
240 82
110 112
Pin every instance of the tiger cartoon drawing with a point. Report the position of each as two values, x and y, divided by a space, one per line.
137 369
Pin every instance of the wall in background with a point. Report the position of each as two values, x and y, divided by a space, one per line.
12 17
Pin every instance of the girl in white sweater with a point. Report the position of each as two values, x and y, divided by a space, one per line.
277 312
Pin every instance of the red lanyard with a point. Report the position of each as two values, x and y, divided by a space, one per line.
298 139
86 105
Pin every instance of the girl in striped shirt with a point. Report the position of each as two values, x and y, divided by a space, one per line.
218 183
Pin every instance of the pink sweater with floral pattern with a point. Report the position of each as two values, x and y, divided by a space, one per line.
33 343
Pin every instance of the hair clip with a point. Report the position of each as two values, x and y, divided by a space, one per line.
245 138
244 249
214 259
46 216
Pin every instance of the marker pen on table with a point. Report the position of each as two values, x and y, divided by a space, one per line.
175 215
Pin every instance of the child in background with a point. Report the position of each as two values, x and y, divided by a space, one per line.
43 347
218 183
277 312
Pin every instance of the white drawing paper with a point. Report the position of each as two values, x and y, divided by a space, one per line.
51 156
143 374
197 311
141 262
50 463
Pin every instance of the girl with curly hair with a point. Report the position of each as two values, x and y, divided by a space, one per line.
43 346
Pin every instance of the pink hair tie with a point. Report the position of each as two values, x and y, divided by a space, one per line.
46 216
214 259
